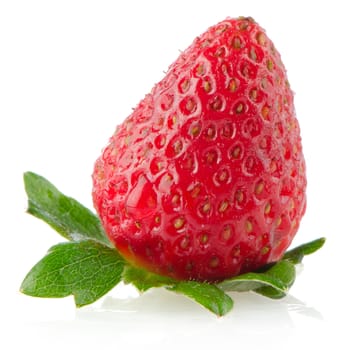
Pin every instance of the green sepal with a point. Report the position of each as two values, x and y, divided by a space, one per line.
274 282
144 280
297 254
87 270
208 295
66 215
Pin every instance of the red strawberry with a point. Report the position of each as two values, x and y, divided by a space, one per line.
206 178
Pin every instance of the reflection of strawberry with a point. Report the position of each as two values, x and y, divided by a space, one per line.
206 178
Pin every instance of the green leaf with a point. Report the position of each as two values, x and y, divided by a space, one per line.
85 269
144 280
273 283
283 272
208 295
67 216
297 254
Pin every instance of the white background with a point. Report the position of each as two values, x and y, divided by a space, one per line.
70 71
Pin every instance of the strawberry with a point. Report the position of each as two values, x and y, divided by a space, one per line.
206 178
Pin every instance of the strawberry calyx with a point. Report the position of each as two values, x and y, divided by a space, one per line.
88 267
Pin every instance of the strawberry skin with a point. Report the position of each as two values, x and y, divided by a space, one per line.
206 178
